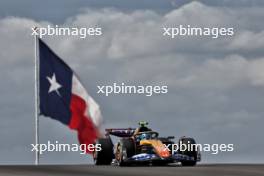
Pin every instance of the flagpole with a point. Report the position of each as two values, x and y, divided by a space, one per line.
36 99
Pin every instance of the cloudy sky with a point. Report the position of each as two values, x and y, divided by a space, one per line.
216 86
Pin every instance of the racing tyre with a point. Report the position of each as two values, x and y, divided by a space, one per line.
190 153
126 149
105 156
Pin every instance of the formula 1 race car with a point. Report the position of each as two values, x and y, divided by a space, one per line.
143 148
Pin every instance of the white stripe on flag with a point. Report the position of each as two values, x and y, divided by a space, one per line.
93 110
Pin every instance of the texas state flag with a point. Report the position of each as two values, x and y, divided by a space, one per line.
64 98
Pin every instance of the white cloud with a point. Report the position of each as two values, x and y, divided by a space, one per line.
248 41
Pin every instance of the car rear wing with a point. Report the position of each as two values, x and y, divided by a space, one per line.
120 132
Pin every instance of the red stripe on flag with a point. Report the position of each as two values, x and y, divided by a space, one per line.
87 132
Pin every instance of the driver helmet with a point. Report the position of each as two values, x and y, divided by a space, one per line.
143 124
143 136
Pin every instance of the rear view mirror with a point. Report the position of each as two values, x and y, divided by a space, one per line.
171 137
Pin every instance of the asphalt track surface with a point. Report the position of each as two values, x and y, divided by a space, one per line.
89 170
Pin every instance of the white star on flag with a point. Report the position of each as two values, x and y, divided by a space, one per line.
54 85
